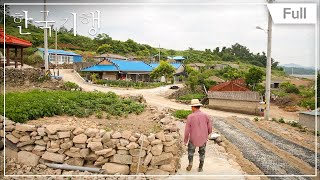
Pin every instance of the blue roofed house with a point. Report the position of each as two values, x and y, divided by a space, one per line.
115 69
63 57
178 59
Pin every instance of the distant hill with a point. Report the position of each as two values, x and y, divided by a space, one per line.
300 71
292 65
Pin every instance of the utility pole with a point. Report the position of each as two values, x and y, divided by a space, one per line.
159 52
46 54
268 68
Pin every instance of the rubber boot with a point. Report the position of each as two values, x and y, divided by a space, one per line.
200 169
189 167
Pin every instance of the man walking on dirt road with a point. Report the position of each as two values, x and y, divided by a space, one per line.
197 129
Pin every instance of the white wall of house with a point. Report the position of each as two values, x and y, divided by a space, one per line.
61 59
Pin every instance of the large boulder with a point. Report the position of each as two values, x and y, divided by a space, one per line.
114 168
25 127
157 149
54 157
28 158
80 139
121 159
164 158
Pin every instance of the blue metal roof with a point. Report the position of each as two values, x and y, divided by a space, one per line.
125 65
156 64
176 57
59 51
100 67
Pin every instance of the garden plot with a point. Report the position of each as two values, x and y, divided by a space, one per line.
301 152
268 162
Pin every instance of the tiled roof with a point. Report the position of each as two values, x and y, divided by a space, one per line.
101 68
125 65
59 51
235 85
12 40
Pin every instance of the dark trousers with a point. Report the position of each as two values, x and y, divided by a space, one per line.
192 149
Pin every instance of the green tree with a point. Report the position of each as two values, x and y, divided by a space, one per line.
164 69
104 48
253 77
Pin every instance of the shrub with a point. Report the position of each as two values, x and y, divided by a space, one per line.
182 114
256 119
289 88
281 120
70 86
274 119
307 103
191 96
36 104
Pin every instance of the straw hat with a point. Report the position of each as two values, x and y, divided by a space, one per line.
195 102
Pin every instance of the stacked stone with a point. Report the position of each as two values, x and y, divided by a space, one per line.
1 132
115 152
20 76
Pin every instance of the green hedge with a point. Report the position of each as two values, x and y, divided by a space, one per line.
23 106
191 96
131 84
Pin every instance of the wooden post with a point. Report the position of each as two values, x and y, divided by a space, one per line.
21 55
15 57
8 55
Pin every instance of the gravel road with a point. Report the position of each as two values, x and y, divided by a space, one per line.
268 162
301 152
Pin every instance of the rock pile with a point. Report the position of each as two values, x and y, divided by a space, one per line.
115 152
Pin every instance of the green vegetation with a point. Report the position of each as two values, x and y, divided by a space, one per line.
103 43
164 69
36 104
182 114
289 88
297 70
191 96
254 77
129 84
256 119
70 86
281 120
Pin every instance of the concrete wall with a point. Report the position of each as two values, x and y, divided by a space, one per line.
109 76
248 107
309 121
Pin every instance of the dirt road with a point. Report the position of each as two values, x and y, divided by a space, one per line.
153 96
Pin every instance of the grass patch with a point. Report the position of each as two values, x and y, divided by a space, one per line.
182 114
23 106
191 96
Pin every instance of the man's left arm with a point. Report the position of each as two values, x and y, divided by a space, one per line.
209 124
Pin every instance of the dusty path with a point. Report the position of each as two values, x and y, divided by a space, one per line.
152 96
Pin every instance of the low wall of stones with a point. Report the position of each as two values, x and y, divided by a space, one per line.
114 152
19 76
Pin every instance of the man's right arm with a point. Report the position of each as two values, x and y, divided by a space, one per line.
187 131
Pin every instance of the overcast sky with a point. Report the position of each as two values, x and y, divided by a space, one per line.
197 26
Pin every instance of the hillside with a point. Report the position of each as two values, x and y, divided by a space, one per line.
103 43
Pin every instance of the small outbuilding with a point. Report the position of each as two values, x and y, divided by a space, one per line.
60 56
309 119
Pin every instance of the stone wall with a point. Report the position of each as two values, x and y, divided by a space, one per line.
114 152
19 76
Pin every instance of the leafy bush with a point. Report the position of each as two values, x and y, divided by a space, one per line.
289 88
191 96
182 114
132 84
99 114
308 103
70 86
281 120
23 106
256 119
